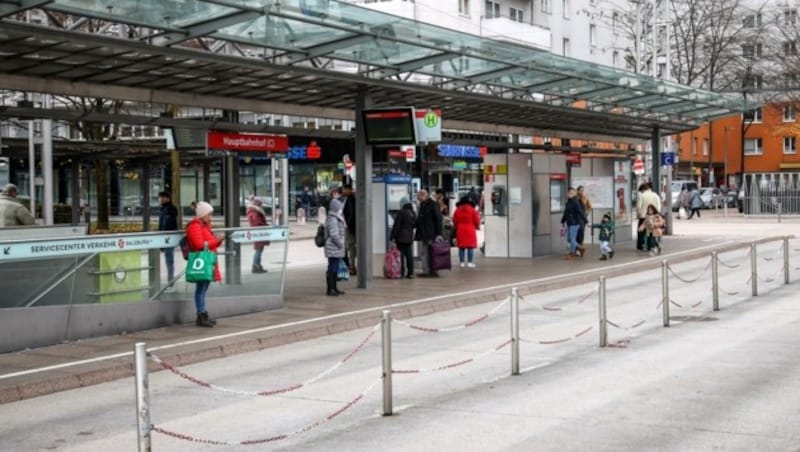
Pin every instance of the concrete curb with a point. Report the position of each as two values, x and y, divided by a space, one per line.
118 368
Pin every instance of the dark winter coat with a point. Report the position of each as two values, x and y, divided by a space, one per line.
429 222
573 213
168 218
403 229
606 230
349 212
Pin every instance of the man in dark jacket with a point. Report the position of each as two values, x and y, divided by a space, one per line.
403 234
168 221
429 229
349 213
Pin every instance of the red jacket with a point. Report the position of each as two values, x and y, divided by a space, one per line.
466 222
256 218
198 234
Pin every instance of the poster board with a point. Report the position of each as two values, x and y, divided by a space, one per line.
623 206
599 190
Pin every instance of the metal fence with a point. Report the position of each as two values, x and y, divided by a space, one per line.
770 194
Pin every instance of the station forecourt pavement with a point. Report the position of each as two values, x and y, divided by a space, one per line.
308 313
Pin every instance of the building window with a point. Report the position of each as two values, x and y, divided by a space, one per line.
517 15
753 82
752 21
753 116
546 6
789 114
753 146
565 47
492 9
790 48
694 146
592 35
753 50
615 58
790 17
565 8
789 145
705 147
463 7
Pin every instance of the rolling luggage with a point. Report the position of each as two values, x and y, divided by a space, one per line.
439 253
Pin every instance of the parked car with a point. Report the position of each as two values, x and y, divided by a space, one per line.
712 197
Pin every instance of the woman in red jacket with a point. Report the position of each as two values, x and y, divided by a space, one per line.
466 223
199 234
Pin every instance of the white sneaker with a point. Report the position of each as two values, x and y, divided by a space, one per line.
461 265
471 265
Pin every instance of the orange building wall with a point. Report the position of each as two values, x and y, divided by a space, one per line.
727 140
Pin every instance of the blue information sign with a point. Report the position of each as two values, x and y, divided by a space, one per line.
667 159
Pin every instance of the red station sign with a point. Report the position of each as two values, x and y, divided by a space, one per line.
250 142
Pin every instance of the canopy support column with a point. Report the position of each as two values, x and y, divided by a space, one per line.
363 191
655 161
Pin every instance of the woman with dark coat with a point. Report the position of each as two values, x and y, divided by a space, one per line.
466 223
403 235
574 219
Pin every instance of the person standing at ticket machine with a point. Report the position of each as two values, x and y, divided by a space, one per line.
168 221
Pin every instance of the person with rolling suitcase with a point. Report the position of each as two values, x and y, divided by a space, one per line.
429 230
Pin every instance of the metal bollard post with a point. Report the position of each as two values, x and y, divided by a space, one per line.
601 291
754 269
514 331
715 280
786 259
665 291
142 397
386 342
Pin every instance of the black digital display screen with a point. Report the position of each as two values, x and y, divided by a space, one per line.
390 126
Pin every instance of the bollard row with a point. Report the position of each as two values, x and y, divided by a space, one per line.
145 428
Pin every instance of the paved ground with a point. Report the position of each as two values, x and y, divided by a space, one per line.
726 380
309 314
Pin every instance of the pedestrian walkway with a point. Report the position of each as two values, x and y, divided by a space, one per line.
308 313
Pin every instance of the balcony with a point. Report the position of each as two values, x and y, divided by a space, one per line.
505 29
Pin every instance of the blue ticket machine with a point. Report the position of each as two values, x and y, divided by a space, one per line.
387 191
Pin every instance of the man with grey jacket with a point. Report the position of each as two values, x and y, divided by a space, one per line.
12 212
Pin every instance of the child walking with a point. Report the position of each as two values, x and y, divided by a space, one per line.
654 225
606 227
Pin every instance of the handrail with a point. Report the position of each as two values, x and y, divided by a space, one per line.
61 279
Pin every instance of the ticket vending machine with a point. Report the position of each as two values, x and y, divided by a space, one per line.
387 191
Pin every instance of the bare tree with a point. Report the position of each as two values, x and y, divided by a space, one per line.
96 132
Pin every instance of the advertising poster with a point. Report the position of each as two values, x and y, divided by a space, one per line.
622 192
599 190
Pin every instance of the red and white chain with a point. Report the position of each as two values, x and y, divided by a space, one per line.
453 364
559 341
471 323
269 439
175 370
545 308
686 280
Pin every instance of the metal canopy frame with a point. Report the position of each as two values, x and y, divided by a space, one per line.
320 53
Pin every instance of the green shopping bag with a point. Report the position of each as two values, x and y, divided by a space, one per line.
200 266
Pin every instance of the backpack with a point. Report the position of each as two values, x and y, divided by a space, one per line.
184 245
319 239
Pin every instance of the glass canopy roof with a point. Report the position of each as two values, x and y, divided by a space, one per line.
379 46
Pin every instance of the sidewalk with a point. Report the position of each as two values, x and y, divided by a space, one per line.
308 313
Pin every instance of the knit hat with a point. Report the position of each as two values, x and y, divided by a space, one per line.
203 208
404 200
335 206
